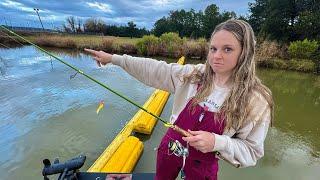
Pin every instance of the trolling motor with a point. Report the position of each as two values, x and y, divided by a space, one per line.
67 170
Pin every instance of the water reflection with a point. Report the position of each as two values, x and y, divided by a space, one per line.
62 52
297 103
288 148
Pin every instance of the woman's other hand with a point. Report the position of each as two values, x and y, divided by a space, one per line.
201 140
101 57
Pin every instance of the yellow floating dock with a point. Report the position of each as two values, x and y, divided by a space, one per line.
144 122
125 150
124 159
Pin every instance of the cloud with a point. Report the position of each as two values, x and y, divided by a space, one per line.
101 6
16 5
164 3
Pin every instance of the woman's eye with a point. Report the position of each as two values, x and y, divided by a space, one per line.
212 49
227 49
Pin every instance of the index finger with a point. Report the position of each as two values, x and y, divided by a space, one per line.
91 51
191 138
195 132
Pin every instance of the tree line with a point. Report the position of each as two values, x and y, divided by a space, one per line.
192 24
97 26
285 21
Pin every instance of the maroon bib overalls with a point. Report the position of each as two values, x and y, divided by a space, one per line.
198 165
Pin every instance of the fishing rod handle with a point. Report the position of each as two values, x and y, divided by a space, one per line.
181 131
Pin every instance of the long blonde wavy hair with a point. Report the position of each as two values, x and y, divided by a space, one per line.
244 81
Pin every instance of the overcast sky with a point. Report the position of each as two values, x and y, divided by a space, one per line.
144 13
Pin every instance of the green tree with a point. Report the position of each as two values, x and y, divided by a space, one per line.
161 26
258 14
191 23
210 19
308 25
285 20
272 18
131 29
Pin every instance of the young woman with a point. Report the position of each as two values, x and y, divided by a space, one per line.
222 103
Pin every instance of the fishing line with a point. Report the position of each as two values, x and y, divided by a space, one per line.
73 75
51 63
176 128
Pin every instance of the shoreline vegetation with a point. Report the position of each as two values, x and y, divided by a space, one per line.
298 56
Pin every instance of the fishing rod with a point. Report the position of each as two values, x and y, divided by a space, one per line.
174 127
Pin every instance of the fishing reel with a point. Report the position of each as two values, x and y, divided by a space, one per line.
67 170
177 148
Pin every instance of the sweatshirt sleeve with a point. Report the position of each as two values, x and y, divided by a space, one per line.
247 146
154 73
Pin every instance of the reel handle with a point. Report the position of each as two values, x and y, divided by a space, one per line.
181 131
